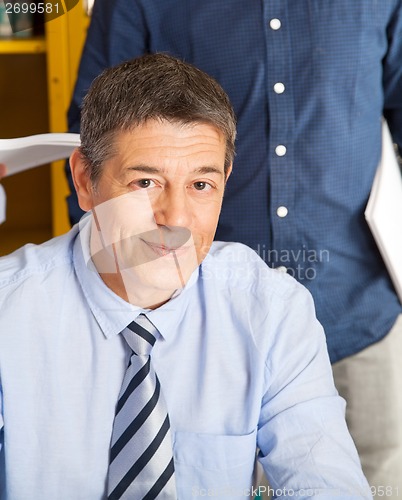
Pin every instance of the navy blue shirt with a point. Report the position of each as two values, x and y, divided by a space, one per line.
309 81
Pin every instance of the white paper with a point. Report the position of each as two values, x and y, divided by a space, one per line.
23 153
384 210
2 205
27 152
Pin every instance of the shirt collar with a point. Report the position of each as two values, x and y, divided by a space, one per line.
111 312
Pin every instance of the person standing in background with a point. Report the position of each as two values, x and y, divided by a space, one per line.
309 81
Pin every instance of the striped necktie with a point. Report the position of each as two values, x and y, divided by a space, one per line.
141 462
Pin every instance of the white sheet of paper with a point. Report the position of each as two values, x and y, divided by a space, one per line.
23 153
384 210
2 205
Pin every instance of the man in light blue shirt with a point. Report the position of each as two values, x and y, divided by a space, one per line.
241 358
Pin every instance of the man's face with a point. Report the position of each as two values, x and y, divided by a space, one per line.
157 203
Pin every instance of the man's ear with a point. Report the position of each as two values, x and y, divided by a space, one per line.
82 182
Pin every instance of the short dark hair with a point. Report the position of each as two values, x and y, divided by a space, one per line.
151 87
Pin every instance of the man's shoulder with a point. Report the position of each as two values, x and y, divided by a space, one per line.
34 260
235 266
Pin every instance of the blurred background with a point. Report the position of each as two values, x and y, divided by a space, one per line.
38 67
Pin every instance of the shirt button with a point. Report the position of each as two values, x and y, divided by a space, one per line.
281 269
280 150
275 24
282 211
279 88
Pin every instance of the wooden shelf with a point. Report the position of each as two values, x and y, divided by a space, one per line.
34 104
18 238
36 45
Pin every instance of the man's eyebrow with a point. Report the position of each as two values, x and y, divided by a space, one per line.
208 170
147 169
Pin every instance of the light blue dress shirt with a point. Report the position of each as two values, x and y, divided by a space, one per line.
242 362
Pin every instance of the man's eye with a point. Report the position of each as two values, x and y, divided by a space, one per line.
202 186
145 183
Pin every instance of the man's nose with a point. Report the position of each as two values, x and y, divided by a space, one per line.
173 209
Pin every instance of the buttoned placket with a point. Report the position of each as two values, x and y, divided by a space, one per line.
281 122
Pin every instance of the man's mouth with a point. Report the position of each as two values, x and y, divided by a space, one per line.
169 244
164 250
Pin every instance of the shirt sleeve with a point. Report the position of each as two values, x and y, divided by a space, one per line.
1 421
392 75
305 447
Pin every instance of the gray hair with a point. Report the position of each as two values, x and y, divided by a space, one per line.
151 87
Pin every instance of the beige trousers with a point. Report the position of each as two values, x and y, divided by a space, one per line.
371 384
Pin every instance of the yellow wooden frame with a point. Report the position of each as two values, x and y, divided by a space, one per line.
34 45
65 36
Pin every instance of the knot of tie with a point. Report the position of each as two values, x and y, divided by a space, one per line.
141 335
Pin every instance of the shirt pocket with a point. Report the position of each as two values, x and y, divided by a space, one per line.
214 464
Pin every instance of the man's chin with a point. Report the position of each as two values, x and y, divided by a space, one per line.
152 288
164 274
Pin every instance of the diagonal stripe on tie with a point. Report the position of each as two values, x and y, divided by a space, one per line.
135 424
142 332
135 382
161 482
141 462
